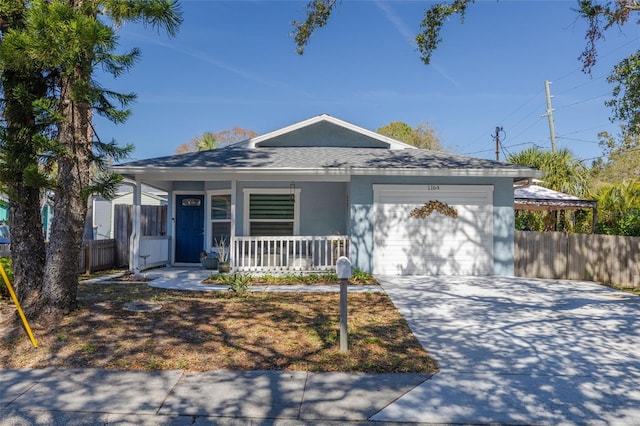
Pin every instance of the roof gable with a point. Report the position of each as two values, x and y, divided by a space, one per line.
325 131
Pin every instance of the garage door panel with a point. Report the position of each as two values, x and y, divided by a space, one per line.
437 244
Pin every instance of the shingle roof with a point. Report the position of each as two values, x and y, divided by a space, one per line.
321 158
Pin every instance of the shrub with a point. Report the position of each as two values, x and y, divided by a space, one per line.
238 283
360 277
6 264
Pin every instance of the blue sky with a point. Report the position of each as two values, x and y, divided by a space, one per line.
234 63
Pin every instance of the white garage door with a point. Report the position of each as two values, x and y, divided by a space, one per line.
437 244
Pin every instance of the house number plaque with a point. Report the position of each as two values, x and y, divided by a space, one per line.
191 202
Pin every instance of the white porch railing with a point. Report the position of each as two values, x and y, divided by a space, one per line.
154 251
287 254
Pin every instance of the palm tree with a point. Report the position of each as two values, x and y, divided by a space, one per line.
619 207
205 142
563 172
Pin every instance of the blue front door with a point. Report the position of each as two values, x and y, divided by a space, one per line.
189 227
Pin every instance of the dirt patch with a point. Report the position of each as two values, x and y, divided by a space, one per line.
142 306
198 332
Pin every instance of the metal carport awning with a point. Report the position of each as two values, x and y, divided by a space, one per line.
534 197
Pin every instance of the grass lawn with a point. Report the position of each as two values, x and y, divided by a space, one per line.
208 331
632 290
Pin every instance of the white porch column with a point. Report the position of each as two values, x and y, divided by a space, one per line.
134 240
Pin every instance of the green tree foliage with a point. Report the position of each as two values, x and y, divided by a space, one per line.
563 172
422 136
602 16
317 16
619 208
616 184
622 158
64 41
23 137
625 103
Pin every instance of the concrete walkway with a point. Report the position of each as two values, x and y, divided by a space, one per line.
511 351
190 278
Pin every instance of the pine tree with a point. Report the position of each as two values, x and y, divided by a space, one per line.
64 41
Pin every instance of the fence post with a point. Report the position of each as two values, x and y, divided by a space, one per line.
87 257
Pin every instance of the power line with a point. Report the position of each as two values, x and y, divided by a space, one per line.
536 95
577 140
581 102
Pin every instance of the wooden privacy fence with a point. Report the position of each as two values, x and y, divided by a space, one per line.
609 259
97 255
153 223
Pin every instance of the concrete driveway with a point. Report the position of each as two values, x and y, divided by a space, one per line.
521 351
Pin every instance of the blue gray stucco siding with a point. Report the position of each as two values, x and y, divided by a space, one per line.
323 205
361 226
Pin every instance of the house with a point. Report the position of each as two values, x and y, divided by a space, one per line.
299 197
4 207
46 211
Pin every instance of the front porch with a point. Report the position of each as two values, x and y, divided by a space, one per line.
287 254
262 255
268 227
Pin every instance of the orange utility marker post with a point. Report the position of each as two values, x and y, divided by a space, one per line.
15 300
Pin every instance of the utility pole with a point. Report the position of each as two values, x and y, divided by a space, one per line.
549 115
496 137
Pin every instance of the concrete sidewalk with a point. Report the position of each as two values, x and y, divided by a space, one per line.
176 397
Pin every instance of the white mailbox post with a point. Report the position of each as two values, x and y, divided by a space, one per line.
343 270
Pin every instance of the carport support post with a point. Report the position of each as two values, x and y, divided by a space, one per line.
343 270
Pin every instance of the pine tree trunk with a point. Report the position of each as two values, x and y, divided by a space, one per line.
19 153
70 202
27 247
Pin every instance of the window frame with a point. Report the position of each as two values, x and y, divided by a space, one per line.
211 221
271 191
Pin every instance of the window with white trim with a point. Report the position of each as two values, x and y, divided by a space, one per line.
272 212
220 217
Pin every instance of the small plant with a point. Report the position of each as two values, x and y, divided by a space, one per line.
155 363
181 364
360 277
328 277
222 249
238 283
88 348
6 264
